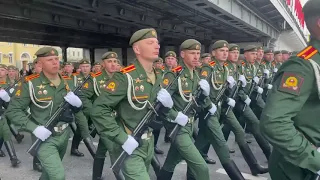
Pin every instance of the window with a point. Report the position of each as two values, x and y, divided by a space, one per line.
10 58
78 54
9 43
73 53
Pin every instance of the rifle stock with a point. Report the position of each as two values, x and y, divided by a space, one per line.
233 95
52 122
140 128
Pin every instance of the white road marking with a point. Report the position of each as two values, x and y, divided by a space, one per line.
245 175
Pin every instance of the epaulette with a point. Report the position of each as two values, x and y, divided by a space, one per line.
32 76
177 69
212 63
3 82
263 62
307 53
66 77
163 68
75 74
95 74
273 63
243 63
225 64
128 69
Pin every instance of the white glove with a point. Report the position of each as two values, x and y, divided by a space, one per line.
181 119
269 86
165 98
247 101
213 109
231 82
266 71
256 80
243 80
130 145
231 102
275 70
204 85
4 95
73 99
259 90
11 90
42 133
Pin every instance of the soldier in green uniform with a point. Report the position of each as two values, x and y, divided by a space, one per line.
290 120
182 90
205 58
171 60
67 69
260 54
278 59
130 93
5 134
90 93
37 67
82 132
97 67
43 93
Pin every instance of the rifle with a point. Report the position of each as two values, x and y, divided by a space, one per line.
271 80
53 121
187 108
253 85
261 84
233 95
141 127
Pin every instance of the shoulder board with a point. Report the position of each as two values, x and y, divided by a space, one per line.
32 76
128 69
66 77
96 74
177 69
226 64
307 53
273 63
3 82
243 63
163 68
263 62
212 63
75 74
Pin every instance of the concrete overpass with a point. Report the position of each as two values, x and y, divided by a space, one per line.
108 24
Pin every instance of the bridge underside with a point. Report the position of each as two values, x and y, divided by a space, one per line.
110 23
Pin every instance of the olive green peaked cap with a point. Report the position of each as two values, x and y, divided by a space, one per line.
143 34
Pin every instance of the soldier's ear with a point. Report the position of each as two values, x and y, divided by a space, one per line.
136 48
182 54
318 23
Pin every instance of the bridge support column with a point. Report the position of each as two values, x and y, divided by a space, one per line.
92 56
64 54
124 56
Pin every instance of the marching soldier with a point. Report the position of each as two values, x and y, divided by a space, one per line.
67 69
37 67
182 147
43 93
5 134
290 120
130 93
97 67
277 59
171 60
285 55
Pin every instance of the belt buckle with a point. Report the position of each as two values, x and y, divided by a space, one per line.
190 120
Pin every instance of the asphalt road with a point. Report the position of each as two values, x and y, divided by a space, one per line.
80 168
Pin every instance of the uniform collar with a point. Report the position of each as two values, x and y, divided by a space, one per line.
45 80
316 44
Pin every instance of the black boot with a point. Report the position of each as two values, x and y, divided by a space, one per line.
157 150
12 153
16 134
164 175
97 168
89 144
233 171
75 144
156 164
119 176
251 160
36 164
2 154
208 160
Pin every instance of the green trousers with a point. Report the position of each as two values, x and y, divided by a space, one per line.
135 167
258 106
103 148
231 123
211 133
183 148
5 132
51 153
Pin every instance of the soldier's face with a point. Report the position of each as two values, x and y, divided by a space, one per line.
278 57
50 64
171 61
97 68
233 55
206 60
285 57
191 57
110 65
85 68
221 54
3 72
68 68
158 65
260 54
147 49
11 73
250 56
268 57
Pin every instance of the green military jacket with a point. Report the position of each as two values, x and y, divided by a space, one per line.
259 68
219 74
129 93
182 91
43 98
235 70
290 120
249 71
